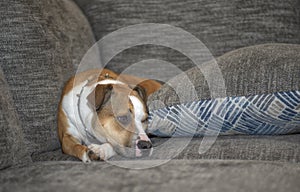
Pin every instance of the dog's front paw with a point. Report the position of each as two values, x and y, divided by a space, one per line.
92 155
104 151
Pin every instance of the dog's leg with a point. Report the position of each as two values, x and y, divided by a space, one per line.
72 146
104 151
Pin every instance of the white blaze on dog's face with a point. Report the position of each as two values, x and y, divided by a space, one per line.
121 112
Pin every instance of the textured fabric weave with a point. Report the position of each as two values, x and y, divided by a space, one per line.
249 71
12 145
281 148
221 25
176 175
269 114
257 79
41 44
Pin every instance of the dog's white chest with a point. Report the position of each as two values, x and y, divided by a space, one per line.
79 115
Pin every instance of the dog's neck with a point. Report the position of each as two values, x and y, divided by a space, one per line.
85 112
80 102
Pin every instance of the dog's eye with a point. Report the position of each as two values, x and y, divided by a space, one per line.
145 120
124 119
98 108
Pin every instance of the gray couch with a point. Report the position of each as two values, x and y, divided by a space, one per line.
41 46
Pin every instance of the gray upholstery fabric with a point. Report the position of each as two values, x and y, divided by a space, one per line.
284 148
221 25
12 145
55 155
253 70
176 175
41 44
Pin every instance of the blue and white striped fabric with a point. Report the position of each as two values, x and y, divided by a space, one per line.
268 114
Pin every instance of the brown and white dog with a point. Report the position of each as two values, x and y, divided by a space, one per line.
102 113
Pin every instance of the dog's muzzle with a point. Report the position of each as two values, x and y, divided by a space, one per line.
143 146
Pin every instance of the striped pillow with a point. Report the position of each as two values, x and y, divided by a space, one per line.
266 114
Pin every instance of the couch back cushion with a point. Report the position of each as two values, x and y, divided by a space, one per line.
41 44
249 71
221 25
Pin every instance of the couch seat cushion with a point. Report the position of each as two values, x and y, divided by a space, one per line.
283 148
176 175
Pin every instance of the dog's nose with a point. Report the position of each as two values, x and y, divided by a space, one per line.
144 144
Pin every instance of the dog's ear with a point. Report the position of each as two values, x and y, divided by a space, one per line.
146 88
99 96
141 92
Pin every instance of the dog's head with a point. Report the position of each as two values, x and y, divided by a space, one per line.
121 115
